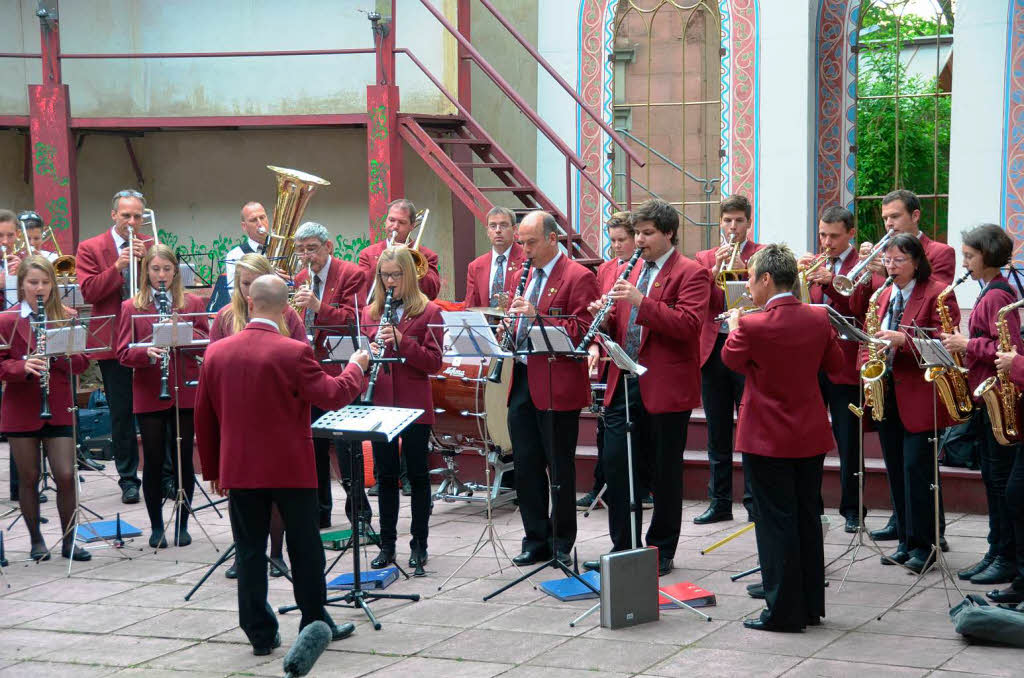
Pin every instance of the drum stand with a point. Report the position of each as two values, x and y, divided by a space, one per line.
452 489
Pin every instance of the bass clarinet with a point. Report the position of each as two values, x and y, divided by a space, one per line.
385 319
508 340
44 378
163 307
595 326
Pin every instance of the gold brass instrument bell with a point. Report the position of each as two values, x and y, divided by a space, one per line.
294 189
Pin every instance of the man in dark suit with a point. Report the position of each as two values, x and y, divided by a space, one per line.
327 300
657 316
496 273
546 396
783 433
102 266
269 459
721 388
399 223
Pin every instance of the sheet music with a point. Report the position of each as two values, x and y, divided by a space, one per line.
467 333
932 353
340 347
736 295
64 340
556 336
11 292
172 334
621 358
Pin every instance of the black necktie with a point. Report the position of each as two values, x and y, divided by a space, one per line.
633 331
897 312
124 275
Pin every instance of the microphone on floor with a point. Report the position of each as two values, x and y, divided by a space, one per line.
308 647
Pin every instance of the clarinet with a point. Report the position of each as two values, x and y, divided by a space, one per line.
44 378
595 325
508 340
163 308
385 319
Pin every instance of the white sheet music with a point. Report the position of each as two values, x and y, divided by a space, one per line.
463 328
557 337
64 340
172 334
933 353
342 347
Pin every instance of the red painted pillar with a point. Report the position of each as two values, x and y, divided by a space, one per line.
385 169
54 182
463 221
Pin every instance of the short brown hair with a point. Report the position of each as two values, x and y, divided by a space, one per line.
735 203
621 220
908 198
836 214
8 215
991 240
664 217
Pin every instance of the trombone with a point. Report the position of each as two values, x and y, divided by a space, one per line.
846 284
418 259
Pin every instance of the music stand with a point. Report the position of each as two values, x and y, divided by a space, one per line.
549 340
355 424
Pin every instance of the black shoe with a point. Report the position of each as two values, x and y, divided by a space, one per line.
406 488
384 558
373 490
39 553
887 533
231 572
86 463
665 565
170 488
183 538
417 559
277 567
564 558
813 621
325 520
918 564
851 525
263 651
713 515
895 558
647 501
130 495
530 557
591 565
342 631
77 553
43 498
755 585
761 625
1011 595
157 540
977 568
1001 571
943 545
757 591
586 500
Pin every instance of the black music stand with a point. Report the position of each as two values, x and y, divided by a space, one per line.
355 424
549 340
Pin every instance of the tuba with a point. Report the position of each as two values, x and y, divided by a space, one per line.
951 382
294 189
999 393
872 371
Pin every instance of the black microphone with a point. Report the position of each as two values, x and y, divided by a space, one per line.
308 647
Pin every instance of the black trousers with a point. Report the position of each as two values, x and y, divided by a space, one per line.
322 453
658 443
997 462
599 466
910 467
845 429
343 451
544 444
1015 507
250 523
386 461
787 498
721 391
117 384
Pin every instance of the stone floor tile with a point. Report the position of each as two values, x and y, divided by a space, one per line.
33 669
541 620
142 570
442 612
987 660
167 673
194 624
427 666
531 671
702 662
115 651
605 655
14 612
215 657
394 638
69 590
29 643
512 647
873 648
900 622
826 668
94 618
334 664
147 595
804 644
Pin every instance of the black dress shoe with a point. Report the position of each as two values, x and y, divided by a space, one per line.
564 558
263 651
918 564
77 553
977 568
130 495
813 621
665 565
182 538
895 558
762 625
157 540
887 533
417 559
39 553
756 591
1012 595
530 557
586 500
406 488
943 545
1001 571
373 490
384 558
277 567
755 585
89 464
713 514
591 565
231 572
851 525
325 520
342 631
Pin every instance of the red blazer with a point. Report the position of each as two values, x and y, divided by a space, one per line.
430 284
1017 371
408 384
100 283
848 307
913 393
671 316
984 336
478 276
146 373
222 325
337 308
781 351
942 258
252 410
716 300
19 410
563 385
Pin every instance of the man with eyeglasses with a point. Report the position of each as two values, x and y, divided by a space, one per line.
492 277
102 268
326 300
256 227
398 224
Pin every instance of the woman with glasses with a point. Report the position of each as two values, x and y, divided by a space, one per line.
986 249
415 336
909 420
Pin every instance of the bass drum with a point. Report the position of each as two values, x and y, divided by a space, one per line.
469 410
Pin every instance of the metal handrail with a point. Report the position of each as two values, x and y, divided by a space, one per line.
671 162
190 55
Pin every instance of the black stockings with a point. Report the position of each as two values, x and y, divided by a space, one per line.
60 452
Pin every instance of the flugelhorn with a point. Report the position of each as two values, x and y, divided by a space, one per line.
730 273
846 284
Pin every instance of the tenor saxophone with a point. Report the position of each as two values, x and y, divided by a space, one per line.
998 393
873 370
951 382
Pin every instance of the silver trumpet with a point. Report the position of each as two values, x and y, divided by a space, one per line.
846 284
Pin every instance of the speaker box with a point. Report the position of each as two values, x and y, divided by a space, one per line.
629 588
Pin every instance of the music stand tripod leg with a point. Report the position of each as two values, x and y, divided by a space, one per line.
228 552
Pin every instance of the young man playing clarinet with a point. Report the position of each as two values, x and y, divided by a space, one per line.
656 317
783 433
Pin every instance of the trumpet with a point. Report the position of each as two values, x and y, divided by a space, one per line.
846 284
722 317
804 271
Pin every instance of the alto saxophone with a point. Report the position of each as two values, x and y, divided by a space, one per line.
951 382
873 370
998 392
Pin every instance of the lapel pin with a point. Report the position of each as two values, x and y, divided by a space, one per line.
552 290
657 284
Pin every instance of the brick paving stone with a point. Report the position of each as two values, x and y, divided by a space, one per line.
605 655
449 668
115 651
702 662
873 648
34 669
93 618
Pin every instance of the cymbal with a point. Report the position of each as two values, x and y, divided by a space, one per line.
487 310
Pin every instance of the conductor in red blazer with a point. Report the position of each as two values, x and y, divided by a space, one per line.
399 223
496 273
722 388
784 434
657 316
102 265
836 234
268 459
907 427
546 396
329 302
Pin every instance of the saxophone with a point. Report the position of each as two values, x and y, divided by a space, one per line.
998 392
872 371
951 382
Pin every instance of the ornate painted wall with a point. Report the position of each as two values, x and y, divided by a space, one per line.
1012 207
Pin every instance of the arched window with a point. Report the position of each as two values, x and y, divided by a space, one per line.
904 91
667 103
